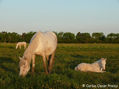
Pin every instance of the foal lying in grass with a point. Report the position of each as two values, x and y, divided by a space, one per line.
97 66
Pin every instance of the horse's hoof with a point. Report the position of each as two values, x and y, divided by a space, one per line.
32 73
46 73
49 72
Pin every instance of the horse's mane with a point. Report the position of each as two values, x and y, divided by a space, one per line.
32 46
98 62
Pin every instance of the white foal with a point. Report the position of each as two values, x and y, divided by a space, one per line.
97 66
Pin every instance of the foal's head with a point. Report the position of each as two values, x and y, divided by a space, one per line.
103 63
24 66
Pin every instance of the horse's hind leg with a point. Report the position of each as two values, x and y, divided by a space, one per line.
44 64
47 58
33 63
51 61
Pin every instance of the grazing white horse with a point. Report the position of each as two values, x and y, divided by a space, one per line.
97 66
19 44
43 44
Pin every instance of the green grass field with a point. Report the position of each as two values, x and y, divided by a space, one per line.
63 75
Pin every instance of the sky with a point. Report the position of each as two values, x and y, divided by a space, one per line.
59 15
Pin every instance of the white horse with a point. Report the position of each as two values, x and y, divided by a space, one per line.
97 66
19 44
43 44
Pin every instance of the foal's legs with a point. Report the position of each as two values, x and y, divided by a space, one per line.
33 63
51 61
44 64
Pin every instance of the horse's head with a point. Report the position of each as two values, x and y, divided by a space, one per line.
103 63
24 66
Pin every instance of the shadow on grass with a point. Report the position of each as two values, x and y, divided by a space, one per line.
79 59
6 60
84 56
72 64
79 56
12 47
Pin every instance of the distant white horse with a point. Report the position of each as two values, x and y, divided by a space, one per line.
43 44
97 66
19 44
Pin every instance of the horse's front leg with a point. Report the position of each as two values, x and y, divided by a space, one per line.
103 71
51 61
100 71
44 64
33 63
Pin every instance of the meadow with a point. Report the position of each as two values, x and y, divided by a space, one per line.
63 75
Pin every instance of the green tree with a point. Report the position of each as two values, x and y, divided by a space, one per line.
83 37
68 37
60 37
112 38
3 36
27 36
98 37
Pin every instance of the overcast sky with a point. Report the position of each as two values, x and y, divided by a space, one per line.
59 15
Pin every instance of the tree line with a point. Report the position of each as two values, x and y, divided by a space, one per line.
63 37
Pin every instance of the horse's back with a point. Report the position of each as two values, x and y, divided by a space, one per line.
44 42
50 42
84 66
44 35
50 38
20 43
